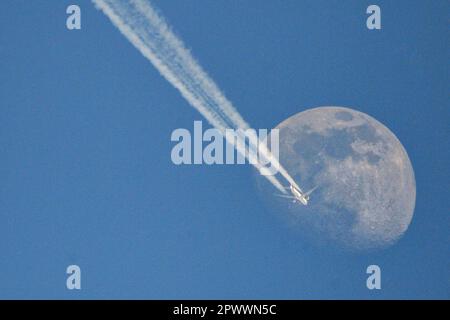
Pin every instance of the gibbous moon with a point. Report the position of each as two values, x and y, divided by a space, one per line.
365 182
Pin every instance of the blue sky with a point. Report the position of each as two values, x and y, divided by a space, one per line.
85 169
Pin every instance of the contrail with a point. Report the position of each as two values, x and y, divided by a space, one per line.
139 22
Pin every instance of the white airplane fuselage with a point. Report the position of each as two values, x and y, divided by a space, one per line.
300 196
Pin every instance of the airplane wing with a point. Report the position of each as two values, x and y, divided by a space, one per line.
310 191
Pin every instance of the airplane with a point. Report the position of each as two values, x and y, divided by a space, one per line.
297 194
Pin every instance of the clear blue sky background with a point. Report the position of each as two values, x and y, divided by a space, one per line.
85 170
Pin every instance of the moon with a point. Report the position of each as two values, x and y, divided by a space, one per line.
366 190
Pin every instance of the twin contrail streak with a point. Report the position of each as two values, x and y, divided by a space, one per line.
138 21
